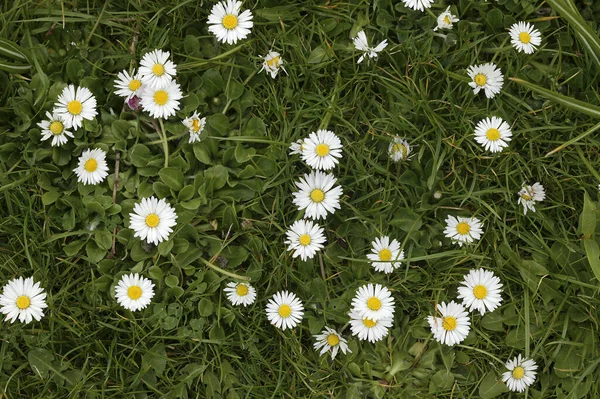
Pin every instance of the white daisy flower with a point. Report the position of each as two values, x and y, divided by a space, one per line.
493 134
521 373
486 77
386 255
524 37
156 70
331 341
480 290
92 167
195 125
317 195
368 329
23 299
361 44
399 150
453 326
529 195
226 22
284 310
128 85
55 127
75 105
134 292
445 20
463 230
374 302
272 63
152 220
305 238
240 293
162 102
321 150
420 5
297 147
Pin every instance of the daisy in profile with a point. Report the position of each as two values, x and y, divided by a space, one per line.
524 37
134 292
480 290
361 44
317 195
493 134
321 150
272 63
152 220
162 102
330 341
75 105
297 147
156 70
420 5
445 20
240 293
453 325
92 167
367 329
521 373
529 195
54 126
463 230
226 22
486 77
399 150
195 125
385 255
128 85
23 299
284 310
374 302
305 238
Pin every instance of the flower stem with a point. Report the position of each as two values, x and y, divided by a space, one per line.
165 144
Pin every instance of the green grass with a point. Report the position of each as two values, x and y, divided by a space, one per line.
236 202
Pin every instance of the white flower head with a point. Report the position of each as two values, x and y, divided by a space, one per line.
195 125
163 101
420 5
521 373
453 325
385 255
374 302
445 20
134 292
240 293
361 44
524 37
152 220
493 134
331 341
284 310
226 22
128 85
55 126
480 290
399 150
92 167
297 147
321 150
75 105
368 329
305 238
156 70
317 195
487 77
463 230
272 63
23 299
529 195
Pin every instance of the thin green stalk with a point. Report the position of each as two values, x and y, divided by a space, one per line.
163 136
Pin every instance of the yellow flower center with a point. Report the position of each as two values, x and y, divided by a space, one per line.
195 125
369 323
518 373
230 21
152 220
480 79
322 150
449 323
333 340
56 128
526 197
492 134
161 97
463 228
158 70
374 303
447 20
90 165
385 254
134 292
304 240
317 195
479 291
273 63
400 148
524 37
285 311
74 107
23 302
136 84
241 290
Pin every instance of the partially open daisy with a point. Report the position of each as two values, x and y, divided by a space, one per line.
453 325
521 373
23 299
420 5
385 255
445 20
493 134
240 293
529 195
162 102
195 125
480 290
54 126
75 105
463 230
156 70
128 85
361 43
321 150
486 77
272 63
317 195
368 329
134 292
284 310
331 341
152 220
92 167
524 37
305 238
226 22
399 149
297 147
374 302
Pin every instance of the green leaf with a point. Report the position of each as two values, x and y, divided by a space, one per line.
155 359
140 155
74 70
494 18
491 386
205 307
587 219
171 281
172 177
318 55
255 127
213 82
50 197
74 247
12 50
40 84
40 361
220 123
217 175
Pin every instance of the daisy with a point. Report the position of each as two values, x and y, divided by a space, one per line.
23 299
521 373
463 230
330 341
445 20
317 195
92 167
374 302
386 256
162 102
480 290
493 134
305 238
156 70
195 125
240 293
420 5
55 127
399 149
321 150
453 326
272 63
361 44
486 77
284 310
368 329
152 220
524 37
226 22
134 292
529 195
297 147
75 105
128 85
